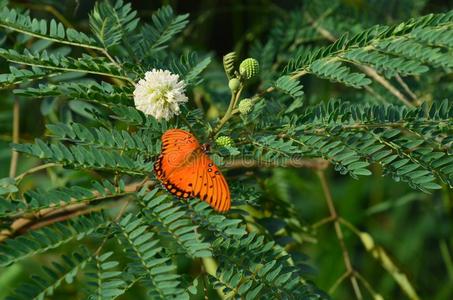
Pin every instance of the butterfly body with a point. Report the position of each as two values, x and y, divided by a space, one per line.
185 170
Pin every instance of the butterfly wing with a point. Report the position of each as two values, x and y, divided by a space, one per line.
210 185
178 147
186 171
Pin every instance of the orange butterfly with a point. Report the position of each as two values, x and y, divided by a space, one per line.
186 170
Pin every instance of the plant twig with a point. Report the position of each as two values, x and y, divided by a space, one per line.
35 169
368 286
47 216
339 233
16 123
407 88
118 216
337 282
315 163
323 221
446 258
386 84
229 113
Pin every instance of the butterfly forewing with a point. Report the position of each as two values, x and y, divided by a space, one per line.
186 171
177 146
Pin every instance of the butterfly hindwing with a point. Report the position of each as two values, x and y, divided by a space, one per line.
186 171
210 185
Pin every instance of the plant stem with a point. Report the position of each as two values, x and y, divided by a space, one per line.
367 286
407 88
339 233
235 98
323 221
447 258
229 113
337 282
72 70
386 84
47 216
15 134
36 169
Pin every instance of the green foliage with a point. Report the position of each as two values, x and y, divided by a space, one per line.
165 25
263 273
53 30
111 23
80 156
148 259
87 162
372 48
173 222
50 237
65 271
105 282
85 64
103 93
343 141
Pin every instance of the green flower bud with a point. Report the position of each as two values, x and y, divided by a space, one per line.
234 84
245 106
229 61
249 68
224 141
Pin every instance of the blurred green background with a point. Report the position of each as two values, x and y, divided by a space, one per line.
414 228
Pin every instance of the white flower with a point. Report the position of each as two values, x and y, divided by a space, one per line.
159 94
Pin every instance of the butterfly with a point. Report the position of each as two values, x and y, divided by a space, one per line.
185 170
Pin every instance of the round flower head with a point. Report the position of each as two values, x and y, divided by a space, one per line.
224 141
159 94
249 68
245 106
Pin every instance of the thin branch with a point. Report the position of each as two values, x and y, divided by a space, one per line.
47 216
16 123
229 113
232 110
368 286
315 163
36 169
337 282
445 253
72 70
339 233
407 88
383 258
118 216
386 84
106 53
322 222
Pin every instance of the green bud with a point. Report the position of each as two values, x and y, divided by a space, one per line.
229 61
224 141
234 84
249 68
245 106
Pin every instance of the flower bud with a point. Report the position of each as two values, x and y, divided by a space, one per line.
249 68
229 61
224 141
234 84
245 106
